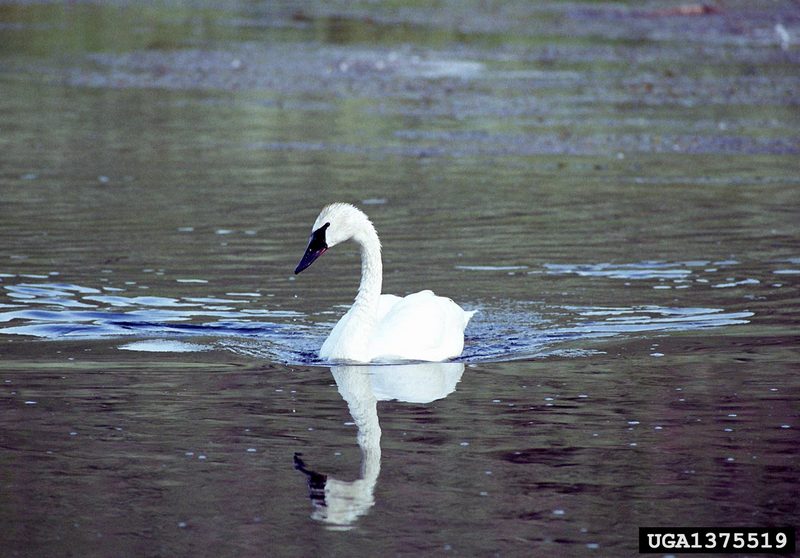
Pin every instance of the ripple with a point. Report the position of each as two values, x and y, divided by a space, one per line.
499 332
631 271
736 283
491 267
70 315
489 337
165 346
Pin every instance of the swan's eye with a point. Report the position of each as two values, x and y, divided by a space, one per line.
317 240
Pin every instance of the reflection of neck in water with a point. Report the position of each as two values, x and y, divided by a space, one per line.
338 502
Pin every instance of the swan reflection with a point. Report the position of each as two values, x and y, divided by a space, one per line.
340 503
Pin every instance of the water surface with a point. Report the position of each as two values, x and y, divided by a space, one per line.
613 187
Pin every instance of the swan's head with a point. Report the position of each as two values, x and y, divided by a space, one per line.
335 224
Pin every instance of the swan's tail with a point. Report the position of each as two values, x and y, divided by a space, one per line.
468 316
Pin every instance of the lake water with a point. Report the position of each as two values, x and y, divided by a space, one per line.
614 187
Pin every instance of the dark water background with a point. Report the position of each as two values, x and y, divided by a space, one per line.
614 186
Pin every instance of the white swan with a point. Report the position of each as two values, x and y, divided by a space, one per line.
420 326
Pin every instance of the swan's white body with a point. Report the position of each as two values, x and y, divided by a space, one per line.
420 326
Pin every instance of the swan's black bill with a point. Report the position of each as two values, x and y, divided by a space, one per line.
316 247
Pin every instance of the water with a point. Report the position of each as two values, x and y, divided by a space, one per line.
614 188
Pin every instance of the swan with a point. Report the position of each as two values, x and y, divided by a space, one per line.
382 327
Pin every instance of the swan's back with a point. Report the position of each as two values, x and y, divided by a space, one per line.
420 326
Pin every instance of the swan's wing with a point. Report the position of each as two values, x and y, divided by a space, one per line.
338 344
385 304
420 326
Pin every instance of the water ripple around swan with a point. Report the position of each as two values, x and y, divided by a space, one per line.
499 332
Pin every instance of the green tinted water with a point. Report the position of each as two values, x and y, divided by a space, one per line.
614 189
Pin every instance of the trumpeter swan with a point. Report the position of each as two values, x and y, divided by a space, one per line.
420 326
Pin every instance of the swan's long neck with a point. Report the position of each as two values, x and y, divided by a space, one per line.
369 291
